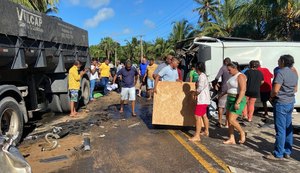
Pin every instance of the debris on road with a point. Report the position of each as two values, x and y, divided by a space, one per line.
52 143
86 134
135 124
102 136
87 144
54 159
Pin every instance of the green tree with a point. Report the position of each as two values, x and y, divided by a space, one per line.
43 6
108 45
96 52
208 10
181 30
226 21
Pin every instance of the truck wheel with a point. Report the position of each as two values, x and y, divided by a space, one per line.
85 88
11 118
55 104
65 102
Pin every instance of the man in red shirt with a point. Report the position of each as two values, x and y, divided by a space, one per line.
266 87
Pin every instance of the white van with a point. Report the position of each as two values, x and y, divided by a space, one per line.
212 51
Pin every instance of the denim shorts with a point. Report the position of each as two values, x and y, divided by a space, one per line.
150 83
73 95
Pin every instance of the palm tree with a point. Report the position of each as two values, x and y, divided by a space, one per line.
208 10
272 19
44 6
181 30
108 45
226 21
162 47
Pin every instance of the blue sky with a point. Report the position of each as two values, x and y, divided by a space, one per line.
123 19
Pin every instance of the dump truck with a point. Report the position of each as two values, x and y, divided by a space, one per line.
36 52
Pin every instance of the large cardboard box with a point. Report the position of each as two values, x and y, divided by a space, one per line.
174 104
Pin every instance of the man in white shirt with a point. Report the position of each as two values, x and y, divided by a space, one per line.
93 77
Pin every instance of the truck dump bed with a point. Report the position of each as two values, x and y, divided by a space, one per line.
19 21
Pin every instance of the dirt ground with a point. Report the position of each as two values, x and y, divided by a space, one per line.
31 149
121 143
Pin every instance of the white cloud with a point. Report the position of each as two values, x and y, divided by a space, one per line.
97 3
149 23
138 2
102 15
126 31
74 2
91 3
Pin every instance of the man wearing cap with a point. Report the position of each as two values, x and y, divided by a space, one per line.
129 76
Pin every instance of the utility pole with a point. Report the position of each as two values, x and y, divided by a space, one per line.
116 50
142 52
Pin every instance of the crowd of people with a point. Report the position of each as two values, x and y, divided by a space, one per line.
237 92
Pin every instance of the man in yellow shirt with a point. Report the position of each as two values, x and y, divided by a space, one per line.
104 75
150 80
74 85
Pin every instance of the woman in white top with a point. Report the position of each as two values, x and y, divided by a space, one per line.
203 100
236 102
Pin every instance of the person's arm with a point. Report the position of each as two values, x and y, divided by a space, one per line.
146 74
156 82
136 77
220 73
191 76
242 86
278 81
200 85
294 70
118 74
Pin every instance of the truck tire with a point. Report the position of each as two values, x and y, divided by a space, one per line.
55 104
85 88
65 102
11 118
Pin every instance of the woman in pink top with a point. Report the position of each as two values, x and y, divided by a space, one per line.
203 100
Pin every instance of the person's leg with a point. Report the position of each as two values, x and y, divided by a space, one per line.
106 80
265 108
206 125
245 110
196 136
140 87
124 96
72 108
231 139
92 87
132 99
251 103
280 128
235 125
289 131
220 115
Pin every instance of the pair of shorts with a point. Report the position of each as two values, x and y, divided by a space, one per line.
150 83
141 80
73 95
200 110
265 96
231 102
128 94
222 101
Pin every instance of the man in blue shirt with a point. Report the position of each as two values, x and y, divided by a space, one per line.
129 76
168 73
142 72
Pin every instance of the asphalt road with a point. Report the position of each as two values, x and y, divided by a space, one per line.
142 148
